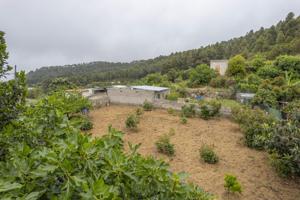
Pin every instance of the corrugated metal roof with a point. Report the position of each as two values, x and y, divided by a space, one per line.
150 88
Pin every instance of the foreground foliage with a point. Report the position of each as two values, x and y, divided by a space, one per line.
47 158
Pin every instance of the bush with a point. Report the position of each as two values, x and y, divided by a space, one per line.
148 106
264 97
132 121
257 62
164 146
139 111
34 93
236 66
67 102
171 111
173 96
208 155
268 71
256 125
246 87
209 109
292 111
288 63
183 120
285 148
81 122
232 184
218 82
188 110
201 75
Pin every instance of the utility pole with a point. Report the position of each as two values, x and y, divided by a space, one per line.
15 71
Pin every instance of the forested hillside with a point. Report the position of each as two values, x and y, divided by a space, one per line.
282 38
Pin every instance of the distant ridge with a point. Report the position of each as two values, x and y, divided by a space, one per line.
282 38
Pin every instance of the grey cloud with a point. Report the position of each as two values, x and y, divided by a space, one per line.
53 32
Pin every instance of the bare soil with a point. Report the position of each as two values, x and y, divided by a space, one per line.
258 179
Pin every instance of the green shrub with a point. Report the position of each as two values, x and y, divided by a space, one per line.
285 148
183 119
67 102
232 184
201 75
164 146
208 155
288 63
81 122
132 121
148 106
246 87
209 109
264 97
188 110
87 125
171 111
182 92
218 82
236 66
34 93
256 125
139 111
173 96
268 71
292 111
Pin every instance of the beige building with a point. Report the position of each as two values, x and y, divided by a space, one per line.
219 65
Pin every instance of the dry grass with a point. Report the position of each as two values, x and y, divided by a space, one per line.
258 179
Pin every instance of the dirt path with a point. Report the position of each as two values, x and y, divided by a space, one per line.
258 179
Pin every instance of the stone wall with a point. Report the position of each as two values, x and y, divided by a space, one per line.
99 100
129 96
163 103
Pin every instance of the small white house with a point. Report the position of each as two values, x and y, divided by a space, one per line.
219 65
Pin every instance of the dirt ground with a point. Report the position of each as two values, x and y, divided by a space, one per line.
258 179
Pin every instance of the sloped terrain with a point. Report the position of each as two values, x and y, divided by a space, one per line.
258 179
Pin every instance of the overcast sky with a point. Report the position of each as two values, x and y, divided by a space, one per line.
57 32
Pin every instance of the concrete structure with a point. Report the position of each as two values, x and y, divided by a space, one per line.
219 65
92 91
244 97
136 95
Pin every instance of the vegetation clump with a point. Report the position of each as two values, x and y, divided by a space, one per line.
201 75
164 146
188 110
232 184
139 111
208 155
132 121
82 122
148 106
209 109
183 120
256 125
284 147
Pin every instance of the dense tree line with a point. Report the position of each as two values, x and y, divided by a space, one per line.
282 38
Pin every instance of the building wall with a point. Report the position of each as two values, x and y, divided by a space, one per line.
219 65
129 96
99 100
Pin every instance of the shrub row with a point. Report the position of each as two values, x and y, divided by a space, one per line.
280 138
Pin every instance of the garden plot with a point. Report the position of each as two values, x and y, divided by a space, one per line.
257 177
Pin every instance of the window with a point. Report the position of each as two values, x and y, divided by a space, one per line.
158 96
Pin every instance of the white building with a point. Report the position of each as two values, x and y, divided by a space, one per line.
136 95
219 65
